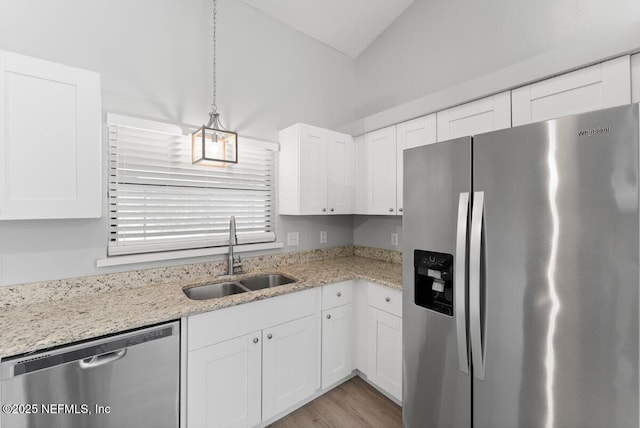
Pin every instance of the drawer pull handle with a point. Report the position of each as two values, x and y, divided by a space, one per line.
255 340
387 299
339 294
269 336
328 316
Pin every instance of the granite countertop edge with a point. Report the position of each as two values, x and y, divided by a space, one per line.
42 325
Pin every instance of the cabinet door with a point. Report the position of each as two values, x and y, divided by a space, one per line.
362 183
313 170
224 384
603 85
290 364
635 78
381 145
385 351
340 173
337 344
414 133
484 115
50 140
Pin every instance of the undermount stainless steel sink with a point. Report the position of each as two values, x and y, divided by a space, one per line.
223 289
214 291
266 281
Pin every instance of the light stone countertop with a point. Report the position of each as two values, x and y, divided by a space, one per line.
29 327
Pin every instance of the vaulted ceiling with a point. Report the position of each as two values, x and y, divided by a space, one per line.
346 25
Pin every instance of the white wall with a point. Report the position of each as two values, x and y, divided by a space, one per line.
440 53
154 58
437 44
375 231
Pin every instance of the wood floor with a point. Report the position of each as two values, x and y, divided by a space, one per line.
353 404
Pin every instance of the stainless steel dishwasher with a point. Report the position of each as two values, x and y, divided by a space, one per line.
128 380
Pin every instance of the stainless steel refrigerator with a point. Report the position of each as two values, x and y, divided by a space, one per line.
521 276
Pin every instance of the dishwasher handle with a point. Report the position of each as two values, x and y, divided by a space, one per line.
87 354
101 360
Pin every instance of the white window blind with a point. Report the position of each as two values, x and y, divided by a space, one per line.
159 201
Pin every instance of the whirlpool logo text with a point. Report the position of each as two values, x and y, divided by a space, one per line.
594 131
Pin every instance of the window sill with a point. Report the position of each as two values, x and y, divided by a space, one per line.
184 254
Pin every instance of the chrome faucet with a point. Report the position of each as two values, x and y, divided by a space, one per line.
233 240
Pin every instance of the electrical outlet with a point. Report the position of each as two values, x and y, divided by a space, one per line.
293 239
394 239
323 237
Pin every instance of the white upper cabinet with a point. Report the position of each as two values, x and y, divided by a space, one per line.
635 78
362 176
414 133
376 175
340 173
381 146
50 140
483 115
315 171
603 85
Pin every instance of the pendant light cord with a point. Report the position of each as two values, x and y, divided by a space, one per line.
214 107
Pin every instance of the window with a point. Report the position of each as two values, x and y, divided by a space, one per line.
159 201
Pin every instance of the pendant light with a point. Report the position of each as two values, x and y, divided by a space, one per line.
212 144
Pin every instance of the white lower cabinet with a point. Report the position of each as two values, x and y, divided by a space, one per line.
384 344
251 363
248 363
362 329
337 344
289 364
384 338
225 382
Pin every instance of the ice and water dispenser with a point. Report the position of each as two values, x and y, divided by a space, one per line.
434 281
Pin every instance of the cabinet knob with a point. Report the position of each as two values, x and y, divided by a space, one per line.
269 336
339 294
387 299
328 316
390 210
331 209
400 209
255 340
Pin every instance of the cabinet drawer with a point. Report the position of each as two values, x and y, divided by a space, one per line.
385 298
337 294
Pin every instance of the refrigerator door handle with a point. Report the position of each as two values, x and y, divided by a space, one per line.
475 266
459 282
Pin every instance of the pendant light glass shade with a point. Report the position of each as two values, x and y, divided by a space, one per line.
211 145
